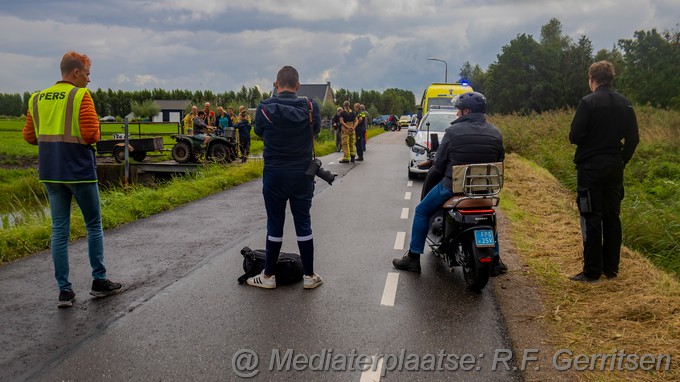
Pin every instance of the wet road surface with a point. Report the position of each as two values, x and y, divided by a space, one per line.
183 316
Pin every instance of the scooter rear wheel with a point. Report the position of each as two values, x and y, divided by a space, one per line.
476 273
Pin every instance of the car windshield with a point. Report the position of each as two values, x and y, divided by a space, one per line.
438 122
439 101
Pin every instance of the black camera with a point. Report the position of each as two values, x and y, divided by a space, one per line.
315 169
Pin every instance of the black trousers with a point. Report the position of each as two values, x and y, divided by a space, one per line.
361 142
600 191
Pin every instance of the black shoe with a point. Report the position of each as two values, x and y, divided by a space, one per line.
343 161
611 275
408 262
103 288
360 158
499 268
66 298
352 159
583 278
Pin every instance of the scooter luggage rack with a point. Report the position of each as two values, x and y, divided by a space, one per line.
478 182
482 180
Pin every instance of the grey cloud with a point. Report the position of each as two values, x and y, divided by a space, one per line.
223 45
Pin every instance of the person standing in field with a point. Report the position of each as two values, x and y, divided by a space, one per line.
605 132
62 121
189 120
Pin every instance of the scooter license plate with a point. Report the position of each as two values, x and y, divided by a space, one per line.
484 238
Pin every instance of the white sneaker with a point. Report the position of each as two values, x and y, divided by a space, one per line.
311 282
261 281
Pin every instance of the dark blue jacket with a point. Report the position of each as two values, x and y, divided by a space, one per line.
243 128
283 123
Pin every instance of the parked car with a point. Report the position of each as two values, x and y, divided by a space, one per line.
434 121
404 121
379 119
108 118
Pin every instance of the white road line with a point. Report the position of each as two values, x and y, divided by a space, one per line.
390 291
399 241
373 372
409 183
404 213
407 196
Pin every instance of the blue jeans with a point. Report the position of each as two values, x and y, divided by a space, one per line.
424 211
87 197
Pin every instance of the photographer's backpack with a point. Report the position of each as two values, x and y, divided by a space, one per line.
288 269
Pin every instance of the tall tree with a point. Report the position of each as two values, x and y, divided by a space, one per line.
475 76
511 77
652 72
146 109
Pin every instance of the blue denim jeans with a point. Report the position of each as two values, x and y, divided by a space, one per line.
87 197
424 211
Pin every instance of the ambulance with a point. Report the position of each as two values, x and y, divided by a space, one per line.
440 95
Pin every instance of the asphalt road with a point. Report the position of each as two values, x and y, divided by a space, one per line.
183 316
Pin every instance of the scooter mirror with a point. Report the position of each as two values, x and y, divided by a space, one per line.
410 141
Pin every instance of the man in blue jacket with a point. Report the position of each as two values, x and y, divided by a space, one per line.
285 125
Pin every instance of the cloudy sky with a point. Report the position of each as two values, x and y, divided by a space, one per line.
225 44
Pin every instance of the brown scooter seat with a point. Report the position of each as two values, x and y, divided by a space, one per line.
468 203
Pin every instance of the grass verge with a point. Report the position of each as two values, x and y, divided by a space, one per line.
638 312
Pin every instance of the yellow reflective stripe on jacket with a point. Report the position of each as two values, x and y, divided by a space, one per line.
55 113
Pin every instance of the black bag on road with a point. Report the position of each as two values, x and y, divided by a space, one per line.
288 269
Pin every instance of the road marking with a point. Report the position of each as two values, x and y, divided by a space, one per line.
404 213
407 196
399 241
409 183
373 373
390 291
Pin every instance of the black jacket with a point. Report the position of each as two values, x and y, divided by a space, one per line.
604 118
469 140
283 122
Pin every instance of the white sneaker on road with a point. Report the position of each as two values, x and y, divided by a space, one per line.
311 282
262 281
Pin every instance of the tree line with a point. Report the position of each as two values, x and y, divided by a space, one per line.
551 73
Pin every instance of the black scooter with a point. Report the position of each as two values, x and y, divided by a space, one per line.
463 232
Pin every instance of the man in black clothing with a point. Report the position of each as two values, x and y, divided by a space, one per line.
337 129
360 131
602 121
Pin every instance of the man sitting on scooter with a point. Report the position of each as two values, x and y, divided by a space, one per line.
469 140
